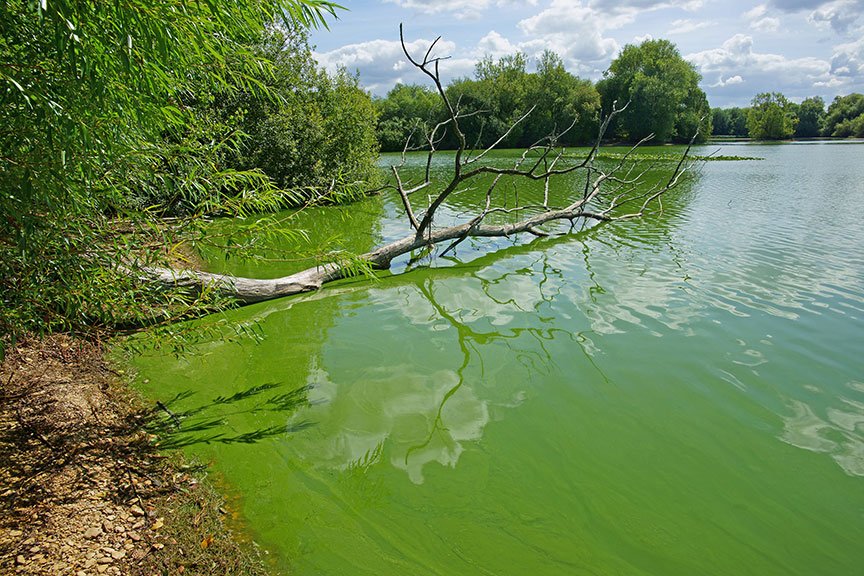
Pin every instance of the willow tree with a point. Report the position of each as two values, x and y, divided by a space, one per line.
664 92
771 117
616 191
93 120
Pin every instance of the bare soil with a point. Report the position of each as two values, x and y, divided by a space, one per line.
83 489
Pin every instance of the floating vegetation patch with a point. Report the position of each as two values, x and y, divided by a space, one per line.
671 157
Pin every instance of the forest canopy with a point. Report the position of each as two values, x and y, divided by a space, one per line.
772 116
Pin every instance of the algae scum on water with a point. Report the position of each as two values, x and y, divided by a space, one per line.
682 394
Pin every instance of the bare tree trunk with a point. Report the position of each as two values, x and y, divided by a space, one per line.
603 197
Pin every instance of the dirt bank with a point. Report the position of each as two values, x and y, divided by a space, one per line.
82 488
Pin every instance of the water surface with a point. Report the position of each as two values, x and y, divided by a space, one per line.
678 395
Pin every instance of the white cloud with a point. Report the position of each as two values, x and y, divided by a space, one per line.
759 20
579 30
686 26
839 15
382 64
645 5
461 9
495 45
848 60
766 25
795 77
756 12
572 30
831 83
721 83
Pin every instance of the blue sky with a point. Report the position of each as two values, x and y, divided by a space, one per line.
741 47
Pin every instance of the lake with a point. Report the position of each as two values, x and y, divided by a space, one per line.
677 395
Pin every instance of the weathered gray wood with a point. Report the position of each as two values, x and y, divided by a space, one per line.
249 290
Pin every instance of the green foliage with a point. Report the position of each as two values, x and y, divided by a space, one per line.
501 92
560 98
811 115
730 121
310 132
845 117
408 112
482 124
502 87
98 139
771 117
663 91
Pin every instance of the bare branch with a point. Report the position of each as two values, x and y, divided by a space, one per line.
502 138
602 196
405 202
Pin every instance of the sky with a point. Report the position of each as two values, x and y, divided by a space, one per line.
801 48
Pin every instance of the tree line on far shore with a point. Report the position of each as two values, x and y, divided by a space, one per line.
661 87
772 116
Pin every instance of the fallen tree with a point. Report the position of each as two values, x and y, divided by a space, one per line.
617 192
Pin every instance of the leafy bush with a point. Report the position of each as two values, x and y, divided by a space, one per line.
311 132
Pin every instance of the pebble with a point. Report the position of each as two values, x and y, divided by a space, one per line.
93 532
102 568
136 511
15 533
108 526
118 554
20 559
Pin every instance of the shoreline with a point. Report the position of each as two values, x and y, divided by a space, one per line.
83 488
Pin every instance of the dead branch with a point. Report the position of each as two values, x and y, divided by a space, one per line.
604 193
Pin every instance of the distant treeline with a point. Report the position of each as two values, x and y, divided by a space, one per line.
773 117
661 87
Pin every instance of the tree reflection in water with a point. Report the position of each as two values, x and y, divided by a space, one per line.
428 403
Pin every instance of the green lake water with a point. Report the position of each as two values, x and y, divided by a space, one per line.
678 395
